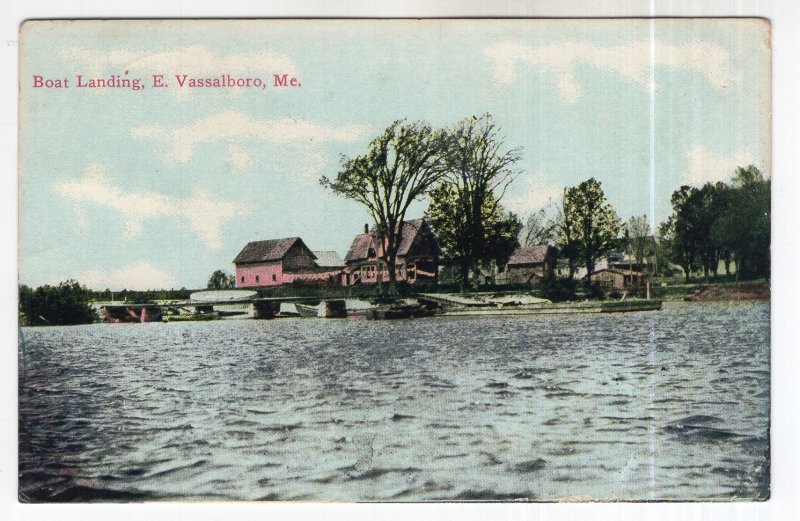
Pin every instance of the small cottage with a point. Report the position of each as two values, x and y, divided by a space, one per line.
530 265
279 261
417 256
615 279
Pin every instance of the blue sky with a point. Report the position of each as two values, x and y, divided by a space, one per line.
160 187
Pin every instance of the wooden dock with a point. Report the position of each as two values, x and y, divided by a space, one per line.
571 308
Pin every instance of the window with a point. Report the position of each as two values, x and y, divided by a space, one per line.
256 278
242 279
274 278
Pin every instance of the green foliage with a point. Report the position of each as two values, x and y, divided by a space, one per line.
499 231
65 304
590 225
400 166
465 211
637 234
141 296
501 236
556 290
744 227
721 222
221 280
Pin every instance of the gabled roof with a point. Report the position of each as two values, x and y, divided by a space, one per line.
329 259
529 255
359 249
265 251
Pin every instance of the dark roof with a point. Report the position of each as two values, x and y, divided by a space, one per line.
358 250
265 251
529 255
363 241
329 259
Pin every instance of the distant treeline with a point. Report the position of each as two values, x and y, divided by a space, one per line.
141 296
65 304
70 303
721 223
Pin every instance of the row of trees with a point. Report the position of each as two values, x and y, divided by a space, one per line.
463 170
721 224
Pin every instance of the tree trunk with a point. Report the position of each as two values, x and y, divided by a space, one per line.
686 273
464 274
391 266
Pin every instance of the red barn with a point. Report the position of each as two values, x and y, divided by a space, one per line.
279 261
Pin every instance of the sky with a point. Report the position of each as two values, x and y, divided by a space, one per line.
159 187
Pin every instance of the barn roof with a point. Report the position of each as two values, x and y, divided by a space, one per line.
269 250
363 241
329 259
529 255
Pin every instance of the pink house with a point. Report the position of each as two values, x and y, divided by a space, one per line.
280 261
417 256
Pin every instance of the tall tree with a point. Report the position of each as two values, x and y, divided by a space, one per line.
593 221
567 234
640 243
684 227
501 230
540 228
721 222
401 165
665 246
221 280
747 222
712 203
479 169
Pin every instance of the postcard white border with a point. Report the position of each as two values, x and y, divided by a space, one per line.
785 17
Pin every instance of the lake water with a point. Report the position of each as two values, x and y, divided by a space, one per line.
669 405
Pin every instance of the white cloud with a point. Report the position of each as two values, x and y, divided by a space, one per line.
534 195
705 167
239 157
140 276
196 61
236 128
631 61
200 212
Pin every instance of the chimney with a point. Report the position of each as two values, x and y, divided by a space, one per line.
366 228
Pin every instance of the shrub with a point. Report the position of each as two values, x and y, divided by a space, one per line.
65 304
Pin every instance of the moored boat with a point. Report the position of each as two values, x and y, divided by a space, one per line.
306 311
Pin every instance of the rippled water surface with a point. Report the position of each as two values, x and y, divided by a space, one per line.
670 405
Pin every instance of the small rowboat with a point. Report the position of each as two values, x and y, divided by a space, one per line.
307 311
